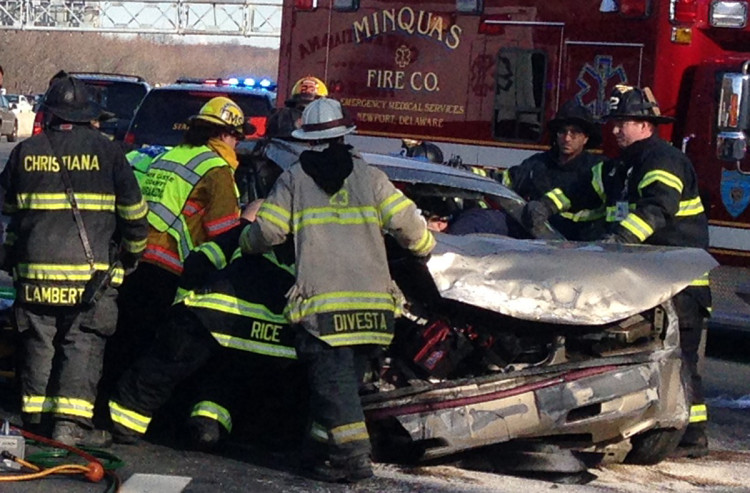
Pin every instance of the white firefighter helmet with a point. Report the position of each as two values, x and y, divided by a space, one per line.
323 119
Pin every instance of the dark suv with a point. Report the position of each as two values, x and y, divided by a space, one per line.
162 117
117 93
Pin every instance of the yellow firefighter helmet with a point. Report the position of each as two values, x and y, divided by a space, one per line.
309 88
224 112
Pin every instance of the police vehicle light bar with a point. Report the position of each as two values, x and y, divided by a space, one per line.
247 82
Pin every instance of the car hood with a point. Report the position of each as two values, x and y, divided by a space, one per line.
562 282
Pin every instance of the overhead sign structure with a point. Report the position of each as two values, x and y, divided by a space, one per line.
251 19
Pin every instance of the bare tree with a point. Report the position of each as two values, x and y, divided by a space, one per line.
30 58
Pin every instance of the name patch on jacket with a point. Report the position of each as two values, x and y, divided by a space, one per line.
357 321
153 184
80 162
266 331
50 295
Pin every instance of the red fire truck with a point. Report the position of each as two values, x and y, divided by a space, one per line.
481 79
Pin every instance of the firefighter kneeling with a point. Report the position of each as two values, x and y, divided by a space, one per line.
224 301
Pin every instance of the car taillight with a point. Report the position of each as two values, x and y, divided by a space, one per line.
260 125
129 138
37 129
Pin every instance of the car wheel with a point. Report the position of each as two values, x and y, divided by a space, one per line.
13 136
653 446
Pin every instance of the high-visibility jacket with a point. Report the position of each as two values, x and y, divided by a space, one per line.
576 188
141 159
192 197
239 298
50 266
343 292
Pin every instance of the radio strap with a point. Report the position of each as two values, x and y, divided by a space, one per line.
73 205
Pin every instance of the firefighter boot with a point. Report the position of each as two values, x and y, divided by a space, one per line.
35 423
204 433
124 436
75 435
347 470
694 443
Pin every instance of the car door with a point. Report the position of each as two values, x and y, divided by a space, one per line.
7 118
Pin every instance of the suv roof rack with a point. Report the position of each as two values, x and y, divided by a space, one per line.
106 75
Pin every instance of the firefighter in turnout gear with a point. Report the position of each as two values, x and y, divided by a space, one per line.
343 303
272 154
660 204
227 329
192 198
305 91
77 221
652 198
566 164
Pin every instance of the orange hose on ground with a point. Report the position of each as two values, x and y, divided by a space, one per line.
93 471
61 469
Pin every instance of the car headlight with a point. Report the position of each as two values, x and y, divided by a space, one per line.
728 14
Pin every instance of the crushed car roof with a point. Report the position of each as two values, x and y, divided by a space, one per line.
561 281
548 280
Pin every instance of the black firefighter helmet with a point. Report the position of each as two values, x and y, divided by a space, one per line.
424 151
633 103
283 122
69 99
573 113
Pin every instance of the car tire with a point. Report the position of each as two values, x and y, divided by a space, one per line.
13 136
653 446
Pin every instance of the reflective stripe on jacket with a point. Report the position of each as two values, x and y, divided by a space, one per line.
169 188
50 266
575 189
242 304
662 197
343 292
140 159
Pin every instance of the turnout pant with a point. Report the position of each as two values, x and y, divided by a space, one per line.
60 364
260 397
182 346
337 427
144 301
692 321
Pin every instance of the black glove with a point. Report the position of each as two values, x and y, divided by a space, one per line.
196 270
535 214
129 261
614 238
423 259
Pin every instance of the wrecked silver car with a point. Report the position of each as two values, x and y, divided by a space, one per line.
508 338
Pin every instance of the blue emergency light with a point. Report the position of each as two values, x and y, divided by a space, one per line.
249 82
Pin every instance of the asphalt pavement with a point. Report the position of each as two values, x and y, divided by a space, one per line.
242 467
